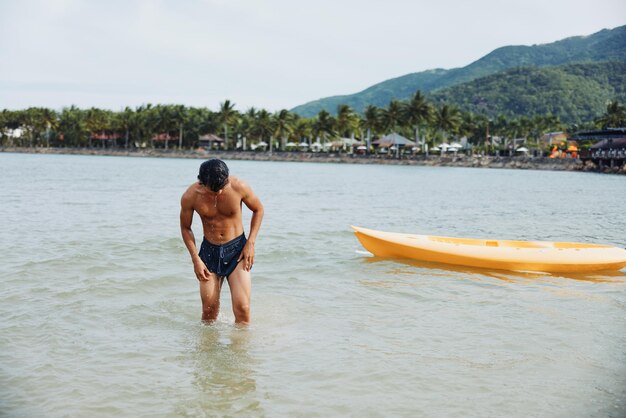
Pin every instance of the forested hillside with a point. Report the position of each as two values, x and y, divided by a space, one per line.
606 45
574 92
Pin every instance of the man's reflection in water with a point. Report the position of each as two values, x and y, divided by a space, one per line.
224 372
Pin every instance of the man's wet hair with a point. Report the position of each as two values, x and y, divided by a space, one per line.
213 174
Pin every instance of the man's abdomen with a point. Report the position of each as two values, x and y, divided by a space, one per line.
221 231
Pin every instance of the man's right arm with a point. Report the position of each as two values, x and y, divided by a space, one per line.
186 218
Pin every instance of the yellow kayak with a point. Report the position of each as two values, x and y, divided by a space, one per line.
551 257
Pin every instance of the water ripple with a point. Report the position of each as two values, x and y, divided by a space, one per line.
101 309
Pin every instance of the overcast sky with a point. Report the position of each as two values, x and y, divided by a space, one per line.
273 54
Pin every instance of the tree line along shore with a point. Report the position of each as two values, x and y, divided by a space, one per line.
166 127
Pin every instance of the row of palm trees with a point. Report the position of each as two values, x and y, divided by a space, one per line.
416 118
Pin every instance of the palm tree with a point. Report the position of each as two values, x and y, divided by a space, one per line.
154 122
302 130
166 123
324 125
251 113
51 120
264 126
344 120
227 116
469 126
512 132
125 120
204 121
8 121
614 117
371 122
283 126
180 116
72 126
191 126
552 122
544 124
167 119
143 124
474 127
391 116
96 120
525 127
417 112
500 126
31 122
447 119
247 125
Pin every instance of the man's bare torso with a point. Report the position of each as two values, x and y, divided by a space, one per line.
220 212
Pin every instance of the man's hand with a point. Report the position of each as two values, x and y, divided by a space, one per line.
247 255
202 273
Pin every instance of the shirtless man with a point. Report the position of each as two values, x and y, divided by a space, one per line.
225 251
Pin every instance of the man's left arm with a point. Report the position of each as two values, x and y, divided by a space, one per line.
253 203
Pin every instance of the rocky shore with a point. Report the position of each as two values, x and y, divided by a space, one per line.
517 162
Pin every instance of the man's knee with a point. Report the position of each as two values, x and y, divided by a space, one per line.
241 309
210 310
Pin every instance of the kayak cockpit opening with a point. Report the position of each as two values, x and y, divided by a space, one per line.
515 244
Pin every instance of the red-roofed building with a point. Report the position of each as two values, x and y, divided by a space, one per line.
164 138
103 136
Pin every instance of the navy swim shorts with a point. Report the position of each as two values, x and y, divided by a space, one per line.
222 259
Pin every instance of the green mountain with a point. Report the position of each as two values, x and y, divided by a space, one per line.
574 92
606 45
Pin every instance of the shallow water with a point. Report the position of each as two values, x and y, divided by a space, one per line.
100 308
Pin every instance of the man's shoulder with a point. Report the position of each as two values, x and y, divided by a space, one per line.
237 184
193 188
191 193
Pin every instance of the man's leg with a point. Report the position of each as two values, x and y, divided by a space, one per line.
210 295
240 282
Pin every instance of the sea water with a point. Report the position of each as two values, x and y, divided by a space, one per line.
101 312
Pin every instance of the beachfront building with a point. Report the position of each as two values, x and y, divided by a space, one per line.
163 138
210 141
606 147
551 138
393 142
104 139
343 144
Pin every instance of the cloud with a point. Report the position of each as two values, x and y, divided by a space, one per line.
272 53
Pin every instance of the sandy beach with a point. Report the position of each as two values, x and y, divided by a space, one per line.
517 162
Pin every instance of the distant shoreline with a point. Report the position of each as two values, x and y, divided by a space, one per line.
517 162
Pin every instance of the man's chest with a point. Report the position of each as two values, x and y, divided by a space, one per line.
220 205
